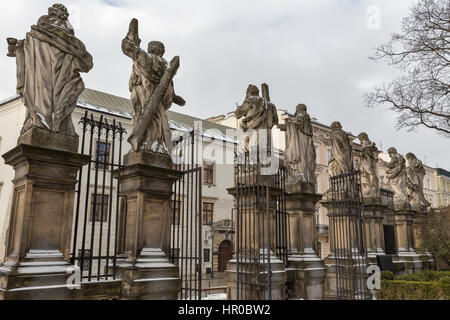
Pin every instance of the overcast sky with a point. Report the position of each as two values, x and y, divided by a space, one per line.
308 51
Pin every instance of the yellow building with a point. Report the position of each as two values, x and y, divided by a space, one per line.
442 186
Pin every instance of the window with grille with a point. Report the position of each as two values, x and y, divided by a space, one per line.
206 255
102 151
208 173
208 213
99 207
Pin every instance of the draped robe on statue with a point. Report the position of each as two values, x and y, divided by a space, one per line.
396 174
300 151
49 62
415 174
341 150
147 72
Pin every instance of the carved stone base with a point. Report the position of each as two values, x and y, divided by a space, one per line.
152 276
309 275
407 262
42 275
259 291
45 139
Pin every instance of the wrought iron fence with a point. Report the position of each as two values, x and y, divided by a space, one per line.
94 242
348 234
187 217
261 228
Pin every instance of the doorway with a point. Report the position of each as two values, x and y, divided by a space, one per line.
225 255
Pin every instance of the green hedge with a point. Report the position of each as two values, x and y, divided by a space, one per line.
424 276
426 285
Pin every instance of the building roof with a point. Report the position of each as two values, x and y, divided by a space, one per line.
121 107
442 172
108 103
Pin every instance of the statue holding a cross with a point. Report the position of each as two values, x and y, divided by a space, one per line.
258 116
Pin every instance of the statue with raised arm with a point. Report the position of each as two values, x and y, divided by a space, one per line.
300 154
49 61
414 180
369 171
257 113
152 93
396 175
341 150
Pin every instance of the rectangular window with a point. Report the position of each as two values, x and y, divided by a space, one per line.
356 164
206 255
100 212
102 151
208 173
208 213
328 155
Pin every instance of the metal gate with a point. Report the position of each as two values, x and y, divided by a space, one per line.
261 230
348 234
94 242
186 233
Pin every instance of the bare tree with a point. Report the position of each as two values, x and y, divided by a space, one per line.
422 52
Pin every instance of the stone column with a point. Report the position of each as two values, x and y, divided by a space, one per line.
406 259
306 271
256 210
146 271
373 215
40 227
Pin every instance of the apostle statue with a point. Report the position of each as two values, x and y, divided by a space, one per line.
152 93
369 172
396 175
258 115
49 61
415 173
300 154
341 150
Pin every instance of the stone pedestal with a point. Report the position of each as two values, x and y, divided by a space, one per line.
261 279
40 228
406 260
257 237
425 256
373 215
145 269
306 271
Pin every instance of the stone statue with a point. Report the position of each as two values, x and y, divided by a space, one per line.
49 61
258 113
300 154
152 93
369 172
341 150
414 181
396 175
